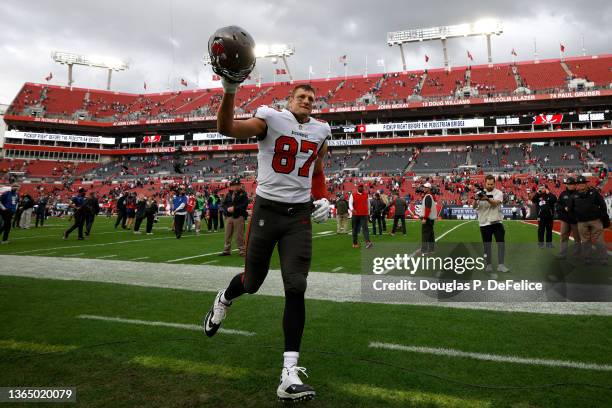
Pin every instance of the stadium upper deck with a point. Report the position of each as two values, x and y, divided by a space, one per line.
473 85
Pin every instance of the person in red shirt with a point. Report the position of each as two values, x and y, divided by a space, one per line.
191 202
359 206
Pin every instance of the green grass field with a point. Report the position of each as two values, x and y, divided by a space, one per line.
45 342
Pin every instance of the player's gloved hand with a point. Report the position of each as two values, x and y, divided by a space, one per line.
321 212
229 87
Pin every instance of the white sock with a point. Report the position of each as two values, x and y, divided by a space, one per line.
224 300
290 358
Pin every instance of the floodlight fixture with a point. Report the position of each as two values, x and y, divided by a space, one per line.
486 27
95 61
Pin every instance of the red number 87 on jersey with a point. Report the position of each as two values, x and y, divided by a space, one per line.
285 152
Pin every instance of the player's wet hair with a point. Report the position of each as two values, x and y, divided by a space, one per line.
305 87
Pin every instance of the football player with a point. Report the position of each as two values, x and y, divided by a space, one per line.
292 147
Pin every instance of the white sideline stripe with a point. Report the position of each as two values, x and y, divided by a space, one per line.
209 262
106 256
554 232
338 269
193 327
325 232
493 357
131 241
80 253
59 236
197 256
451 230
138 259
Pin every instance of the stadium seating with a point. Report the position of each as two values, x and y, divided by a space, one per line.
437 162
440 82
398 87
542 76
496 79
597 70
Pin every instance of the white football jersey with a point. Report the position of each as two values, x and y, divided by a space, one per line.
287 154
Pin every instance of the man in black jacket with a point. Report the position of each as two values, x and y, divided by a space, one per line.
400 214
93 209
121 211
589 208
151 212
544 203
569 224
378 207
41 210
235 206
141 213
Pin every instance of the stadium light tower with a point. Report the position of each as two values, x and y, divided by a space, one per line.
70 59
485 27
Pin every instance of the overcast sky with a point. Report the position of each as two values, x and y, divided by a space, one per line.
164 40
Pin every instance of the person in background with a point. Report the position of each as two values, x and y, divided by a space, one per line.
27 205
544 203
400 214
428 215
130 210
359 208
121 211
378 208
235 206
80 214
93 209
342 215
179 212
151 212
213 211
141 209
569 225
9 200
41 210
385 212
199 211
589 208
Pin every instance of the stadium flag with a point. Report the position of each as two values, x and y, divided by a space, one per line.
145 85
183 82
513 52
426 58
343 59
562 47
49 77
216 77
310 72
380 62
469 55
281 71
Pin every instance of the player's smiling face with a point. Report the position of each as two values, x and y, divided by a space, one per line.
300 104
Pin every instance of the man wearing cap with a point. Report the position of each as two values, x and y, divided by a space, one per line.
360 211
342 214
235 206
80 214
8 206
589 208
428 214
544 202
569 225
179 202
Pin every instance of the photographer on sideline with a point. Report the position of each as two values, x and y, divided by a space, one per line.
488 206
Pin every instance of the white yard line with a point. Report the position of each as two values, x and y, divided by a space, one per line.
79 254
325 232
209 262
131 241
196 256
139 259
338 269
493 357
554 232
193 327
106 256
60 235
451 230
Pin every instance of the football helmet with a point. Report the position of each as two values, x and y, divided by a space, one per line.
232 53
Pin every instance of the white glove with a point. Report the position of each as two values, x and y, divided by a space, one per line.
229 87
321 212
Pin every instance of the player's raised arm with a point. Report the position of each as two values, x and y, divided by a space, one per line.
232 57
239 129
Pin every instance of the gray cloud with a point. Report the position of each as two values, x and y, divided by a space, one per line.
142 32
